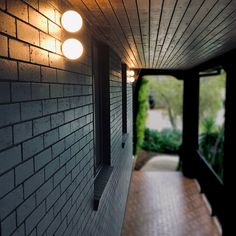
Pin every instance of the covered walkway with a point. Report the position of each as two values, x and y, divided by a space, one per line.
166 204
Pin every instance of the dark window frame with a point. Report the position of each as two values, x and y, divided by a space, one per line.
124 104
124 98
101 91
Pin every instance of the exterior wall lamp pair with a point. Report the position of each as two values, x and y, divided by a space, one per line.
72 22
130 76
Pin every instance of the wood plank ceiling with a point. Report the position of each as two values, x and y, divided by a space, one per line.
167 34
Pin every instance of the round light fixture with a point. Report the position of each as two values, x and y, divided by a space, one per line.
71 21
131 73
72 49
131 79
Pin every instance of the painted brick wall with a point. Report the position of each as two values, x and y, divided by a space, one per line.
111 211
46 129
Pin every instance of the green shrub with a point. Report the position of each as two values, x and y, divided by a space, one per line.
152 140
211 145
171 140
142 114
165 141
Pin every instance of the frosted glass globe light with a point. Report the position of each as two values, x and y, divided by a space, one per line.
131 73
71 21
132 79
72 49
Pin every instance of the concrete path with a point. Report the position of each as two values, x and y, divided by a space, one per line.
162 163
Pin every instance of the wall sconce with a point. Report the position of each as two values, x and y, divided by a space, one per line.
130 79
130 76
72 49
130 73
72 22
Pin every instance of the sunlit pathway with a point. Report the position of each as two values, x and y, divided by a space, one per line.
162 163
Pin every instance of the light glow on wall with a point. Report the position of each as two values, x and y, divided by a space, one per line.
71 21
72 49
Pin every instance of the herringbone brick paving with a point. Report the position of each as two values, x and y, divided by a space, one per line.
166 204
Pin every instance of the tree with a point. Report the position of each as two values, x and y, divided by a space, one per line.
211 100
168 94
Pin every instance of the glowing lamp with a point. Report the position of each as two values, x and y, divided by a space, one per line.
72 49
71 21
131 79
131 73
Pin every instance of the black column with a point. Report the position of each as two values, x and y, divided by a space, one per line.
190 124
229 148
230 123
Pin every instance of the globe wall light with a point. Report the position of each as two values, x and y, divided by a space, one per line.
72 49
130 79
71 21
131 73
130 76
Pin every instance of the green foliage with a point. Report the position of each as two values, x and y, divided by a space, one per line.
211 96
151 140
208 125
165 141
168 94
211 138
211 145
142 113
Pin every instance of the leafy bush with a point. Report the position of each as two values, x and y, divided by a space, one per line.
171 140
165 141
211 145
152 140
142 114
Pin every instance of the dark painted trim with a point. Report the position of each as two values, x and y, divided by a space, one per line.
101 80
212 72
178 74
212 187
100 185
229 146
222 60
190 124
124 98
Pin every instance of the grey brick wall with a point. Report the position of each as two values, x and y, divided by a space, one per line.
46 129
111 211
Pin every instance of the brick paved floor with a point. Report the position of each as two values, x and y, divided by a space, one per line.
166 204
